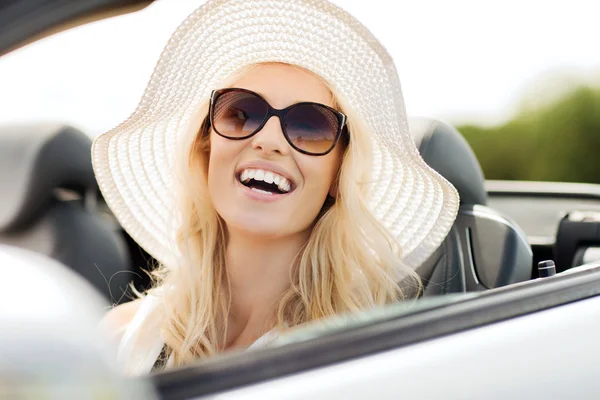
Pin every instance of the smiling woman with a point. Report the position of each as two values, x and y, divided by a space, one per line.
269 169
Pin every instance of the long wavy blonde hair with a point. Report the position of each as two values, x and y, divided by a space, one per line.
349 263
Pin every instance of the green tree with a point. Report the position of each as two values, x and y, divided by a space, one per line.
556 142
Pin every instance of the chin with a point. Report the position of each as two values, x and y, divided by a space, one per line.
257 225
267 226
258 230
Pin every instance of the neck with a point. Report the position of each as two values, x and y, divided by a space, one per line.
259 271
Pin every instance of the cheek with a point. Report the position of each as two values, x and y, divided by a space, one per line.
220 163
223 153
320 174
318 178
217 148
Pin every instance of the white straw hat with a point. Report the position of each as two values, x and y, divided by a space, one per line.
134 162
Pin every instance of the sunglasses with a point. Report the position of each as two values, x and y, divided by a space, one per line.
310 128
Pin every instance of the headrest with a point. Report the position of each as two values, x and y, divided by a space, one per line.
34 161
445 150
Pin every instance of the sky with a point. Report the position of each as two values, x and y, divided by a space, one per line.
462 60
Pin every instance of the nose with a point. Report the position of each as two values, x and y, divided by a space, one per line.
270 139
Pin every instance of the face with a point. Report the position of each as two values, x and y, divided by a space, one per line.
241 202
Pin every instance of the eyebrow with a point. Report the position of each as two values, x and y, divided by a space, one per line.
330 102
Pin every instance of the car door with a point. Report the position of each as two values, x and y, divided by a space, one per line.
534 339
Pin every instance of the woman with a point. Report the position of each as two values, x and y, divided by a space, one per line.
270 171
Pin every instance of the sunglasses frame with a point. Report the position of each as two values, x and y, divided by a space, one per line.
280 113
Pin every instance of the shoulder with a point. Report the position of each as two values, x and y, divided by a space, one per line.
118 318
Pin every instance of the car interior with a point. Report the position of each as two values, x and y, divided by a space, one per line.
484 248
52 205
49 205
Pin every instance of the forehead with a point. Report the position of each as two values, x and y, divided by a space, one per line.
282 85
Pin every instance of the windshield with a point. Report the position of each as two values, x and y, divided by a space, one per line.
366 318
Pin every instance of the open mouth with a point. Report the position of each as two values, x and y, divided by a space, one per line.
265 182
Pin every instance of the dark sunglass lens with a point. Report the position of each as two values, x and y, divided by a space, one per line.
237 114
312 128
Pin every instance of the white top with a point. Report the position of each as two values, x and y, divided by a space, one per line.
139 364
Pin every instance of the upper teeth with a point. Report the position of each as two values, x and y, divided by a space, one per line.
266 176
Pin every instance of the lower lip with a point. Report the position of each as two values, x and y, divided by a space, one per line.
254 195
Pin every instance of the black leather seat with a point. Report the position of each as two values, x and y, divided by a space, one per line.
484 249
47 204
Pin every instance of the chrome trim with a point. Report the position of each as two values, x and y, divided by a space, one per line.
543 189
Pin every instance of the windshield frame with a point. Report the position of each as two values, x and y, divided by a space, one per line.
25 22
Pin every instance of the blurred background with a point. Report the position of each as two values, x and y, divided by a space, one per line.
520 79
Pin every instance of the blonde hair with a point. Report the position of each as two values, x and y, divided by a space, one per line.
349 263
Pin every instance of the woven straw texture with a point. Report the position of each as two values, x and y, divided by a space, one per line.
134 161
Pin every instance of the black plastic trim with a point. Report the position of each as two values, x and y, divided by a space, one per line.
22 20
235 370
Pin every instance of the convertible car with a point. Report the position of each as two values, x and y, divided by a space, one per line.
510 309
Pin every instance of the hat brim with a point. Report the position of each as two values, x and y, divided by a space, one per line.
134 161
